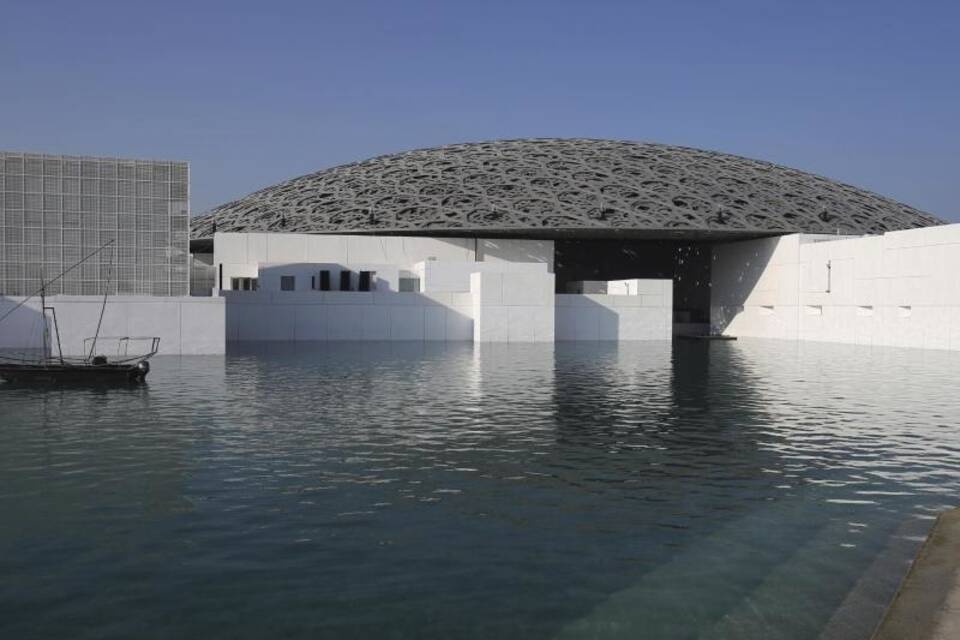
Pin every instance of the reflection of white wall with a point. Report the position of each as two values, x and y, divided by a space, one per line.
184 325
646 315
898 289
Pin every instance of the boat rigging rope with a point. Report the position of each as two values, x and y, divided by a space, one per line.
34 294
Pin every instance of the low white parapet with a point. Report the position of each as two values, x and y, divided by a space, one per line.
185 325
348 315
633 316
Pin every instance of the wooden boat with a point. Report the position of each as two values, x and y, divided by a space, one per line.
68 372
121 366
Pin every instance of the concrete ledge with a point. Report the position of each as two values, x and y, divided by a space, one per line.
185 325
927 604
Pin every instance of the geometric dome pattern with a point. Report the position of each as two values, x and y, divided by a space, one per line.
544 186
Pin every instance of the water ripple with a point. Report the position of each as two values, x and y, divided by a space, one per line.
524 491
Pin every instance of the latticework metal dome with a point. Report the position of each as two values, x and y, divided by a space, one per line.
556 187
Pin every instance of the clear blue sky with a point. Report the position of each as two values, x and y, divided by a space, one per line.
867 92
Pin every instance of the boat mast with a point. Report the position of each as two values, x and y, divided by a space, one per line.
106 290
43 318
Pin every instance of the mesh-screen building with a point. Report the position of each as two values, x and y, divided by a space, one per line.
55 210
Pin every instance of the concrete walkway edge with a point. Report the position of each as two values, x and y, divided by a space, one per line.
927 604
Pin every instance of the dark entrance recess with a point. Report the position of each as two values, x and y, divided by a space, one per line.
345 278
366 278
687 263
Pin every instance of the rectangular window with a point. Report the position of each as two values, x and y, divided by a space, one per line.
324 280
345 278
244 284
365 282
287 283
409 285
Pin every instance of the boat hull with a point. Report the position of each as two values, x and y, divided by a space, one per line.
74 374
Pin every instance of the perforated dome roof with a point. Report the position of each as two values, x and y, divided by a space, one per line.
548 187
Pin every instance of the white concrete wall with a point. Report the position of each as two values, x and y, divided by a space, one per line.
241 253
184 325
898 289
438 276
514 304
510 250
634 287
644 314
387 276
512 307
502 307
336 315
754 287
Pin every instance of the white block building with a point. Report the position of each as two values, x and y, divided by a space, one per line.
897 289
300 287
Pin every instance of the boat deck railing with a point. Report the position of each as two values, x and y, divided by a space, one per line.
122 348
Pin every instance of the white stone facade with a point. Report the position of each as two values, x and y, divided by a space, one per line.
454 276
241 254
480 290
305 275
513 306
447 313
185 325
348 315
511 299
645 313
899 289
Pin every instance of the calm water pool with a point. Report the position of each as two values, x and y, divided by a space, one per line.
751 489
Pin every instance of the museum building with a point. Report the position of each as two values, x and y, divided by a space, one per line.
577 239
531 240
